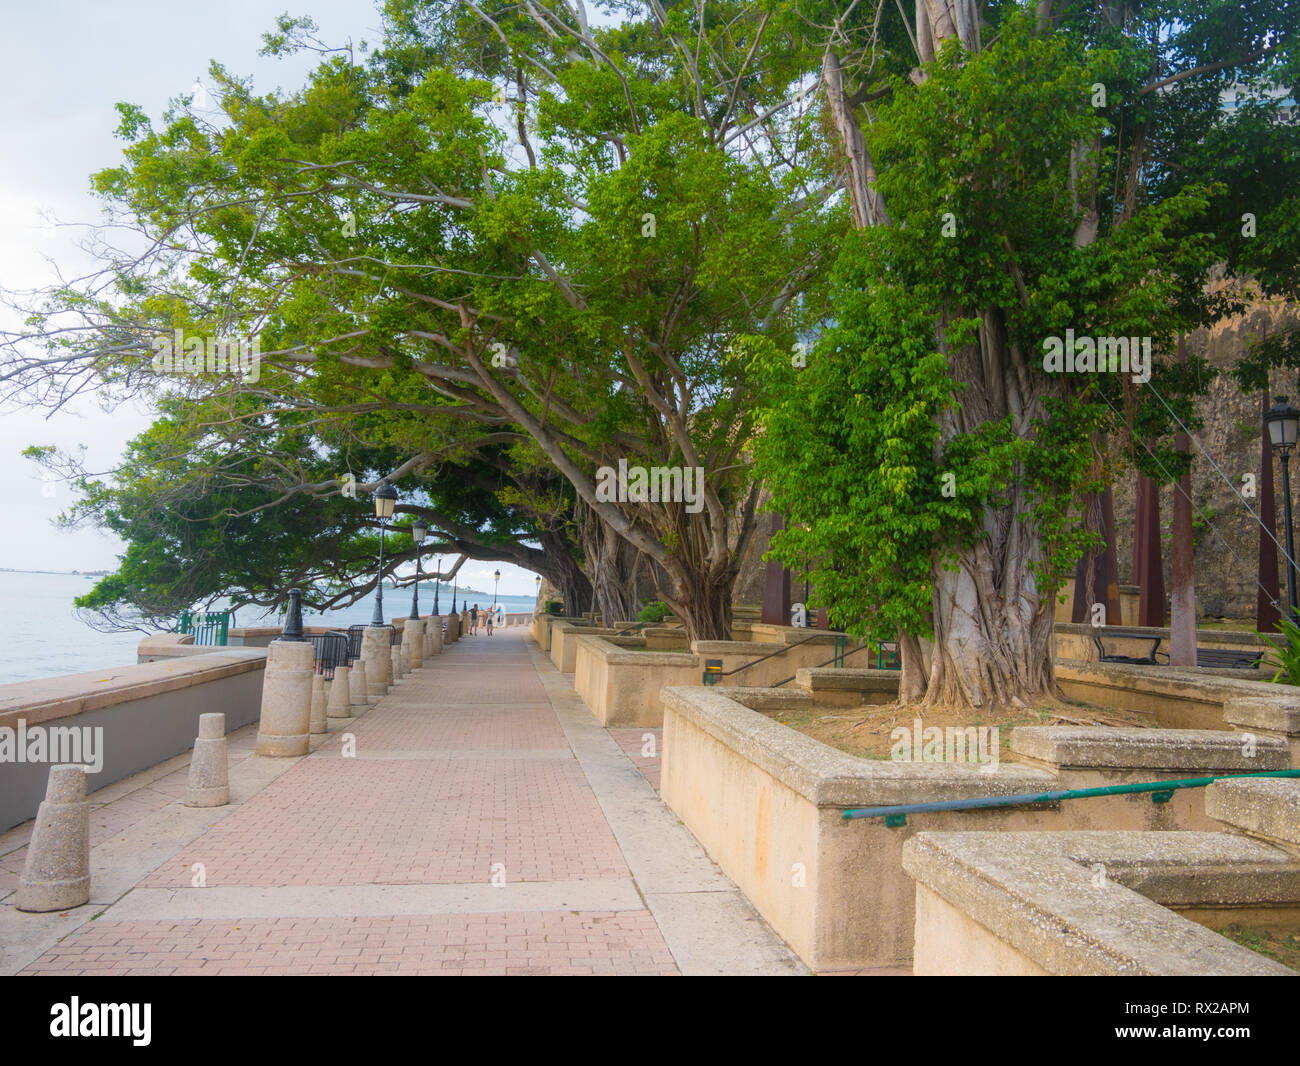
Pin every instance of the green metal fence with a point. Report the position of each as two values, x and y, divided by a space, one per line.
207 627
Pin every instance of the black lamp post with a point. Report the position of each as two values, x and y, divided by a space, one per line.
437 579
496 584
385 501
453 594
1283 422
418 532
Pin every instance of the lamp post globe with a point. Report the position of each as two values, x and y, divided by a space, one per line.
385 499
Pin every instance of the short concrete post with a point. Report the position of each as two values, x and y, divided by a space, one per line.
57 873
413 642
339 704
318 705
286 700
433 635
395 660
376 650
453 629
208 785
359 692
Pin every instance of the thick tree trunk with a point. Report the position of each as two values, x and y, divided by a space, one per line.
703 607
992 643
992 626
612 565
561 569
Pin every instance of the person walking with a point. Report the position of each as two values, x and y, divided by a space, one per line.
487 619
473 620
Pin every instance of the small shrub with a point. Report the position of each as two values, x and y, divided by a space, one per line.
554 607
1286 653
653 612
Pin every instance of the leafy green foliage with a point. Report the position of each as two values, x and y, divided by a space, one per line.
1286 653
654 612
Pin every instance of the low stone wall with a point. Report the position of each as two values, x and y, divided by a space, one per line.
564 640
766 802
621 686
1175 697
1091 903
148 713
619 678
253 636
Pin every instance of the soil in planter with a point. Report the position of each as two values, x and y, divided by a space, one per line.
865 731
1280 945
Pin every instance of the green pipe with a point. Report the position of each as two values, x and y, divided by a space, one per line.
1164 790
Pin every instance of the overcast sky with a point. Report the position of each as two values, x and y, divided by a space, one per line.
66 65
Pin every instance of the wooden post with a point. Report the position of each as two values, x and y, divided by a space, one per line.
1269 594
776 586
1148 564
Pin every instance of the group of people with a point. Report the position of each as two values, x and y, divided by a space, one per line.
488 618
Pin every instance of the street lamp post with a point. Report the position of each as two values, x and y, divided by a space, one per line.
496 584
437 579
385 501
418 532
1283 422
453 594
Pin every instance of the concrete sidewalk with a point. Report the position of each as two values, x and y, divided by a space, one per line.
486 825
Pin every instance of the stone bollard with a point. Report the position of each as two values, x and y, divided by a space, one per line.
318 705
453 629
57 873
339 703
413 642
208 785
433 636
286 700
376 651
358 693
395 660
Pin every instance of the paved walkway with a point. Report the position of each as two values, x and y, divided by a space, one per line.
485 825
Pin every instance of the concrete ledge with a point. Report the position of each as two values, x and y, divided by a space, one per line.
766 699
1176 697
69 694
766 802
1035 903
829 777
846 687
135 716
1268 808
166 646
1202 750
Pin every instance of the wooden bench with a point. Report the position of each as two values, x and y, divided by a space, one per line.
1229 658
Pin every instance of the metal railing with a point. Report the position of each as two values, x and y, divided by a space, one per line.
207 627
331 651
1161 792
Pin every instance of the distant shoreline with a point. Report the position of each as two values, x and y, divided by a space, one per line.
56 573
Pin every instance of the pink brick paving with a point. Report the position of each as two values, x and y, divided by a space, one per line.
533 942
634 742
463 765
109 818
